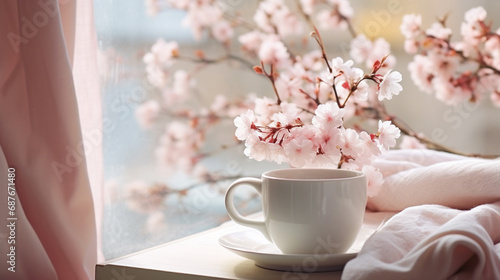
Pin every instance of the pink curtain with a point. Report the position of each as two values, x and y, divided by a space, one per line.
42 116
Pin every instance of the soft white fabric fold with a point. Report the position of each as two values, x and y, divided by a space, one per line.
416 177
431 238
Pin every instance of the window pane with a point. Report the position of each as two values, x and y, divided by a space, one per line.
147 202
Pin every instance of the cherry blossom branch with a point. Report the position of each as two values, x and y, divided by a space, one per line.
271 76
315 34
163 190
305 15
405 129
350 27
353 88
310 97
202 59
434 145
241 21
480 61
219 150
337 99
273 133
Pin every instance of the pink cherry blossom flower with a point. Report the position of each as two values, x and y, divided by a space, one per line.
258 150
372 145
274 15
361 48
178 146
300 151
411 26
289 113
350 142
309 132
251 41
374 180
308 5
162 52
443 67
324 161
329 141
409 142
312 60
381 48
147 113
360 95
495 98
439 31
411 46
286 22
264 109
288 86
158 60
281 120
449 93
301 71
339 66
348 80
475 15
472 30
179 90
492 49
390 85
343 6
487 83
200 16
332 19
182 82
274 52
244 125
364 50
222 31
157 76
262 19
144 198
220 105
328 115
420 74
387 134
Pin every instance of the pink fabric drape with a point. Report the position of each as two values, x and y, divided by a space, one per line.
41 137
85 75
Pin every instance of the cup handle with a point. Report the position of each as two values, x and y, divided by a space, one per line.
235 215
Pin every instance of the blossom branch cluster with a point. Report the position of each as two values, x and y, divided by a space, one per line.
304 124
307 129
313 113
182 142
456 71
149 199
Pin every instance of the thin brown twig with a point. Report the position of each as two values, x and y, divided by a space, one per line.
271 76
405 129
218 60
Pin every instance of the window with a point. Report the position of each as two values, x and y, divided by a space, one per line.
147 202
169 155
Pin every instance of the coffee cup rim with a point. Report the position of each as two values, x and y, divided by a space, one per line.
354 174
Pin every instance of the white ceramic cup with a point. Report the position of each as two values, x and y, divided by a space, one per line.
306 211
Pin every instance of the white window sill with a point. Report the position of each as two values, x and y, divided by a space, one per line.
201 257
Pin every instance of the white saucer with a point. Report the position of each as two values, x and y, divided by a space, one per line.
252 245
